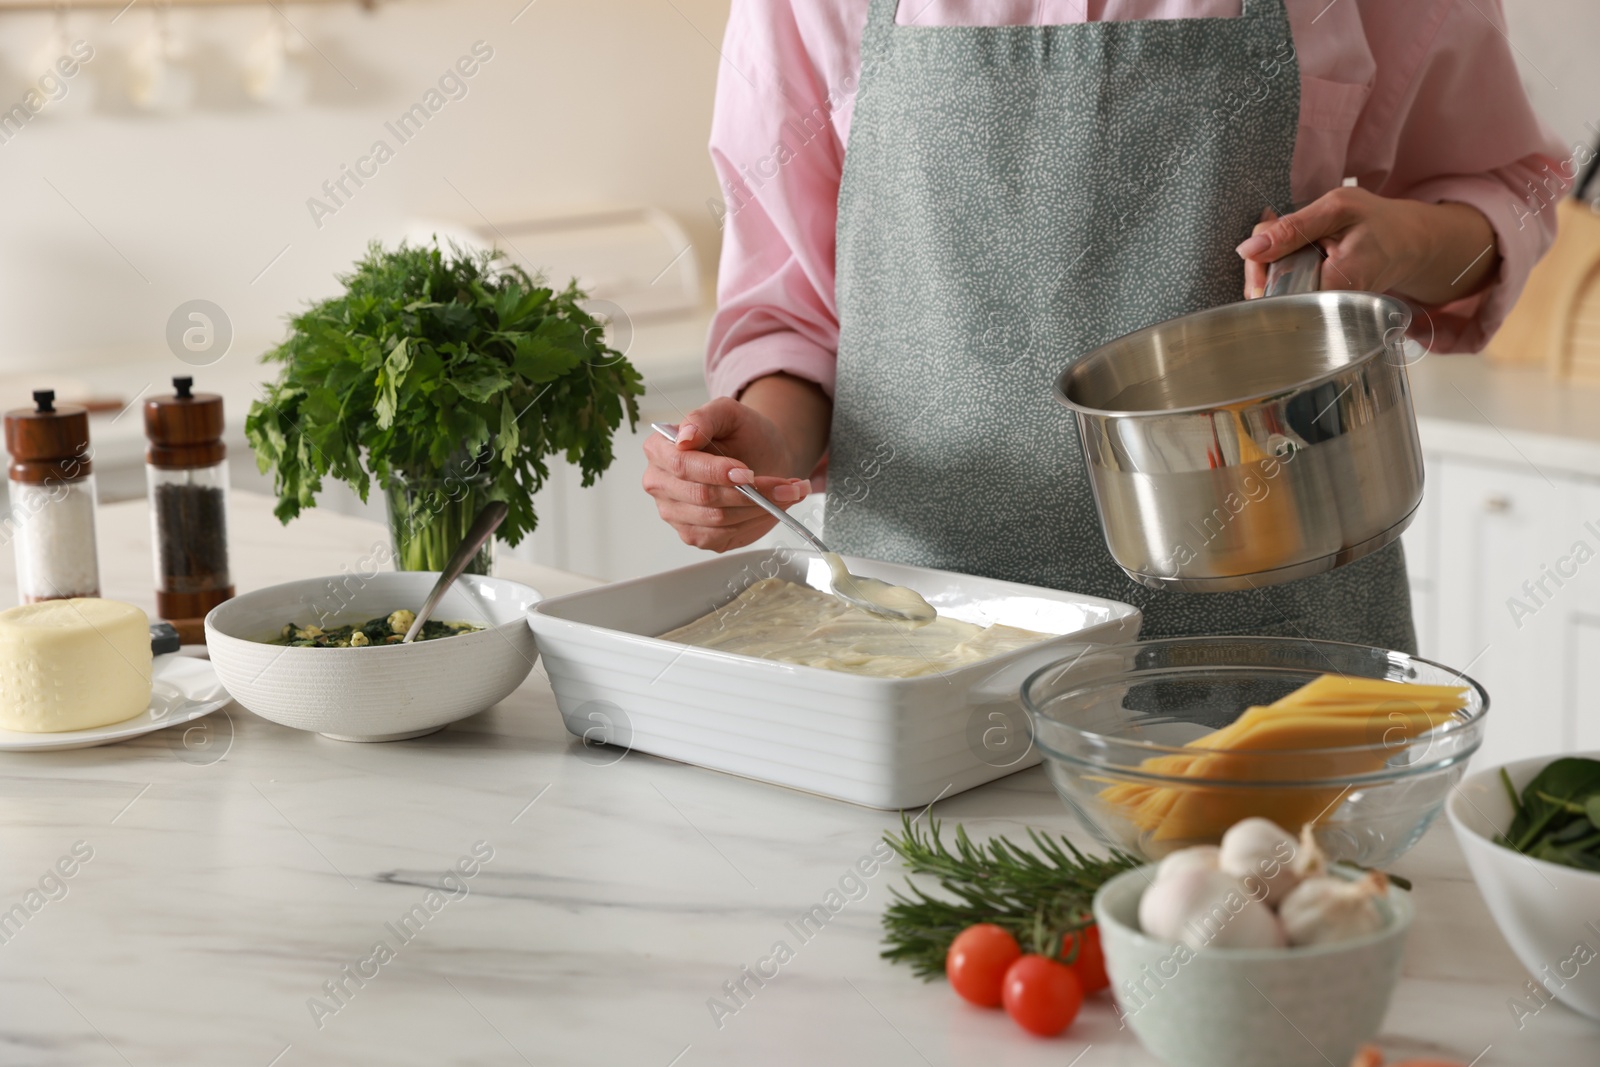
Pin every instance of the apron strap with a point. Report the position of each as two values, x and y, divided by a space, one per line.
1264 9
882 12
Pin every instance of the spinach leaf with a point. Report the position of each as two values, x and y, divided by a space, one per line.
1558 814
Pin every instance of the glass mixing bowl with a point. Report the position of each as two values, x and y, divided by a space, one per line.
1112 721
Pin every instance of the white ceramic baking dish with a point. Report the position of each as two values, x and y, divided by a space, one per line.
884 743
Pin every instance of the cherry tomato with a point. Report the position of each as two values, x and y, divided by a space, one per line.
1091 962
977 961
1042 995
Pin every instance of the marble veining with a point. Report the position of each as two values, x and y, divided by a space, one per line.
231 880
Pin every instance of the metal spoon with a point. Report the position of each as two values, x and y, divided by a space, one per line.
482 528
863 593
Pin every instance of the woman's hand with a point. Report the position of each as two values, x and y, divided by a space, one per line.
1430 253
721 445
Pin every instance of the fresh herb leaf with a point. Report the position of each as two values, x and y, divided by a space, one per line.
1040 897
431 358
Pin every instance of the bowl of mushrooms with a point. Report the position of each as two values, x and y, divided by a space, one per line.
1257 952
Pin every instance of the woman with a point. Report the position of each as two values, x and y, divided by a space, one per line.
928 218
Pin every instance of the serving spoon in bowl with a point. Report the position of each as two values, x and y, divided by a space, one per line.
483 527
868 594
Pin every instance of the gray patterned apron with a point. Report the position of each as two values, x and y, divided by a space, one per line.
1013 197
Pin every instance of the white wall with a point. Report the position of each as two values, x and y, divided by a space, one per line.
584 102
1557 43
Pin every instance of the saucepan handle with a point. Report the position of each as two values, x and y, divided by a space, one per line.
1298 272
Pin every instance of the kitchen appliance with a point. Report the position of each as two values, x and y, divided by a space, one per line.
1254 443
882 742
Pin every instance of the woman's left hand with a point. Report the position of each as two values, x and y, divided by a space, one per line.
1430 253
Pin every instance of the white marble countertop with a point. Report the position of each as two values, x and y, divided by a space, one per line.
1470 406
236 872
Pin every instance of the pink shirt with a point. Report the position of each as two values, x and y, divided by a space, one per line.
1414 98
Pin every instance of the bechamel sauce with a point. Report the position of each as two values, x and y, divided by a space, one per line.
780 620
892 599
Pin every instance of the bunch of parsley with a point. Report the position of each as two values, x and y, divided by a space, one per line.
430 359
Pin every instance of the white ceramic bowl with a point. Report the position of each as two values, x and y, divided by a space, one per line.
1549 913
883 742
384 693
1283 1007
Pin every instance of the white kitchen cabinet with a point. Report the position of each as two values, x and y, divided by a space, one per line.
1584 661
1504 584
1584 633
1503 614
1419 539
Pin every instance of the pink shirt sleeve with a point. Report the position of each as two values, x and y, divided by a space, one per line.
1447 120
1418 99
777 144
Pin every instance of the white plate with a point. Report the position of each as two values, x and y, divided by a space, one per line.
182 689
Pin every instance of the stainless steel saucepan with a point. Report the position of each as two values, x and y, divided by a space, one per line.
1253 443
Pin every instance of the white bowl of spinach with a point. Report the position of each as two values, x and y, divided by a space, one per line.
1531 834
373 688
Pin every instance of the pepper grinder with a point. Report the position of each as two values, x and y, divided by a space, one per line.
52 500
187 467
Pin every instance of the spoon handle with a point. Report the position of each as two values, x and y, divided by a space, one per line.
482 528
800 529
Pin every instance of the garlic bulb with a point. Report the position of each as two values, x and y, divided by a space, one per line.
1261 854
1205 907
1323 909
1310 861
1203 856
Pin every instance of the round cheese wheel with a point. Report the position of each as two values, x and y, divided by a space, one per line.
73 665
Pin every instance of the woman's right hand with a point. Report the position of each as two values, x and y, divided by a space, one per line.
721 445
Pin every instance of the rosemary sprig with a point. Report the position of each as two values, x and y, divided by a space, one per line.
1039 897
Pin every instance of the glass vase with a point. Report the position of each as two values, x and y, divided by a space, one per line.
429 517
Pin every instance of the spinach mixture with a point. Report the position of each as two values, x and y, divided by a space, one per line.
387 629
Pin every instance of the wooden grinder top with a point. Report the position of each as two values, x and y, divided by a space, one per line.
48 443
184 429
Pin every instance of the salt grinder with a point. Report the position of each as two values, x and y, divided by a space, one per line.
52 500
